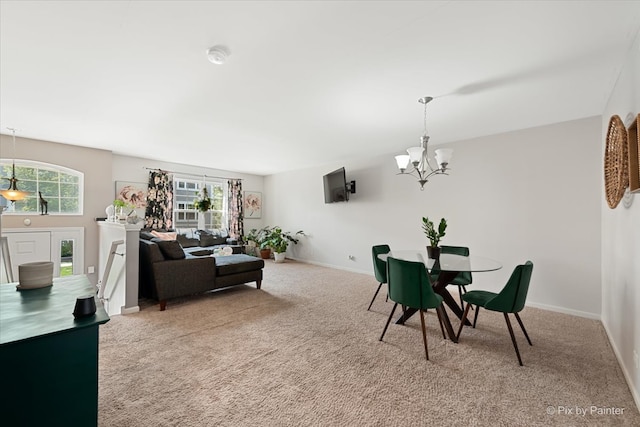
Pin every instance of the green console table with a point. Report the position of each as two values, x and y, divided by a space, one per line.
48 359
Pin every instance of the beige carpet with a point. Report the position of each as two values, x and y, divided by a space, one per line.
304 351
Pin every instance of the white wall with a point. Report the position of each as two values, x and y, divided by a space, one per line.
530 194
134 169
621 241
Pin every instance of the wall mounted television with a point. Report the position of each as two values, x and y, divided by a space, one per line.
336 188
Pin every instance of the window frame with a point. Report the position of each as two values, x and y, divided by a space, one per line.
186 207
38 166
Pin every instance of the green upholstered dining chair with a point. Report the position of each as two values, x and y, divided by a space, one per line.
409 285
379 268
510 299
463 278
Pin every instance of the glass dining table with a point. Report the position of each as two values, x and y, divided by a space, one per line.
448 267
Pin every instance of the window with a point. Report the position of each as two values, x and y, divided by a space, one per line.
185 215
62 188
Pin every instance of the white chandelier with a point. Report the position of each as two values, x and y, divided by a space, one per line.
419 159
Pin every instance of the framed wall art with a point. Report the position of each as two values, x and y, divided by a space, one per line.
134 193
252 204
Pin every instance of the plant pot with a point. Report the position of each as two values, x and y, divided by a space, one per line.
265 253
433 252
279 256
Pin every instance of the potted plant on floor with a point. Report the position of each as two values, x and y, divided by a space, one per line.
260 237
434 235
279 240
251 241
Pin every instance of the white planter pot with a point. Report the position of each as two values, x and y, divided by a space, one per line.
279 257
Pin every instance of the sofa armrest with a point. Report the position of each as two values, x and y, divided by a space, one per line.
175 278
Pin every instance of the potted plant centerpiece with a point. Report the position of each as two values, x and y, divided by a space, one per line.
434 235
278 241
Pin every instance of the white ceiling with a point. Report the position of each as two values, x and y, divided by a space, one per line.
307 83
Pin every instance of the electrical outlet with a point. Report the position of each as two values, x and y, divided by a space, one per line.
91 269
635 359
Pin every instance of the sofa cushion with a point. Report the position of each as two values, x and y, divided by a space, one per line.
187 242
211 240
238 263
171 249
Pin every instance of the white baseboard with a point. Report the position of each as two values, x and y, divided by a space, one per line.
635 393
129 310
336 267
586 314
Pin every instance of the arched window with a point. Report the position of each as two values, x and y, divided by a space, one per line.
62 188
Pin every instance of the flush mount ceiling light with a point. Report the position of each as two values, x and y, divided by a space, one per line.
419 159
218 54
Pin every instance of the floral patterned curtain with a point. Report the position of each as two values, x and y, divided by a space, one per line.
236 214
159 211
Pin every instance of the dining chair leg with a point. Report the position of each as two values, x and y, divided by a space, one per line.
374 296
475 317
464 319
424 334
462 289
522 326
513 337
438 312
388 320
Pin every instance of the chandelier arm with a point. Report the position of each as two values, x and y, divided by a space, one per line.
423 169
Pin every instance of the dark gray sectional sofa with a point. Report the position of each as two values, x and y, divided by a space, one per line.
169 270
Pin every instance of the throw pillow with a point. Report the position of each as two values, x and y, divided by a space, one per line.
187 242
165 235
171 249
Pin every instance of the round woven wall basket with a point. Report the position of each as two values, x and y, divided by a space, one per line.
616 162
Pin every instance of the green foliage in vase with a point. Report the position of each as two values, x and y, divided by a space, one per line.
430 231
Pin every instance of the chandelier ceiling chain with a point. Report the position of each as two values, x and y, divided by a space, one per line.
419 158
12 193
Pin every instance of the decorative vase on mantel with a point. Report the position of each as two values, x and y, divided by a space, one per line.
433 252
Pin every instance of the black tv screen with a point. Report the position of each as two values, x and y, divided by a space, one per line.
335 187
